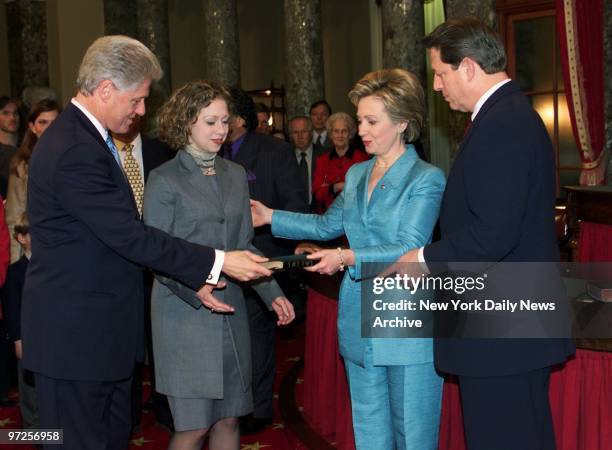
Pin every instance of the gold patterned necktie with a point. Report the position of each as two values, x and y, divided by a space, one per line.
133 174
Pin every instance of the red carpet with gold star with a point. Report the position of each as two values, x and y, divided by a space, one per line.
289 351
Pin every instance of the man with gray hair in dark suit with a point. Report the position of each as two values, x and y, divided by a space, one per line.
82 327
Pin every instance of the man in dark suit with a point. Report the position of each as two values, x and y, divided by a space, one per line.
300 132
498 206
272 173
319 113
82 321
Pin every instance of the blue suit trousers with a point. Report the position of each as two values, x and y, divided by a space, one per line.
395 407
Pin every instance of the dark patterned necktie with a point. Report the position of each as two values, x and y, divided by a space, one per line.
318 145
133 175
304 174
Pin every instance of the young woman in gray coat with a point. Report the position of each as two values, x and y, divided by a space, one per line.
201 345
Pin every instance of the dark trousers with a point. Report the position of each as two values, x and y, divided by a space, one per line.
94 415
507 412
7 360
27 398
262 326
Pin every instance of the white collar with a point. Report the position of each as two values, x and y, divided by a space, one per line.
96 123
486 96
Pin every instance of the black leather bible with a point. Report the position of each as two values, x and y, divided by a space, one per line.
289 262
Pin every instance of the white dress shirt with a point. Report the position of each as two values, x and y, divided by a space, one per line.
96 123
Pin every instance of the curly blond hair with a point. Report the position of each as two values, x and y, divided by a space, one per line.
180 112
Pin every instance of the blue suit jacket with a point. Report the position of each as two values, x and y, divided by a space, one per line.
499 206
400 216
82 316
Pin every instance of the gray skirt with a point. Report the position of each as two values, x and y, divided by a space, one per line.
198 413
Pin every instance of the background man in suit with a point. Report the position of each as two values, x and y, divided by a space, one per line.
498 206
9 121
144 154
82 318
319 113
263 119
272 173
9 138
300 132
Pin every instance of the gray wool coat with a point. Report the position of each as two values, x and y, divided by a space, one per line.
187 337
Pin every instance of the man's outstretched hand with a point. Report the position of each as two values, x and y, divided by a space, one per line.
243 265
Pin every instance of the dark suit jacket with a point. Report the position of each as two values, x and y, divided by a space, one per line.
499 206
274 180
154 154
11 295
314 155
325 146
81 317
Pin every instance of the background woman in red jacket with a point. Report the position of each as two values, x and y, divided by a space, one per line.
331 167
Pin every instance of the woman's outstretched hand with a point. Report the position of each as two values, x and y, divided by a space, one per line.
284 310
261 214
331 261
205 294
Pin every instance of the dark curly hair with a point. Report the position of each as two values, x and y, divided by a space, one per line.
180 112
243 106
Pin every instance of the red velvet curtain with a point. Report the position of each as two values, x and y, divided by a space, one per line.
595 242
580 401
580 31
327 405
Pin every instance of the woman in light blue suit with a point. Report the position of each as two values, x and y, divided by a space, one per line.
389 204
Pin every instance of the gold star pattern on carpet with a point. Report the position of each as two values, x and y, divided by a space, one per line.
139 442
292 358
278 426
5 422
253 446
299 381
